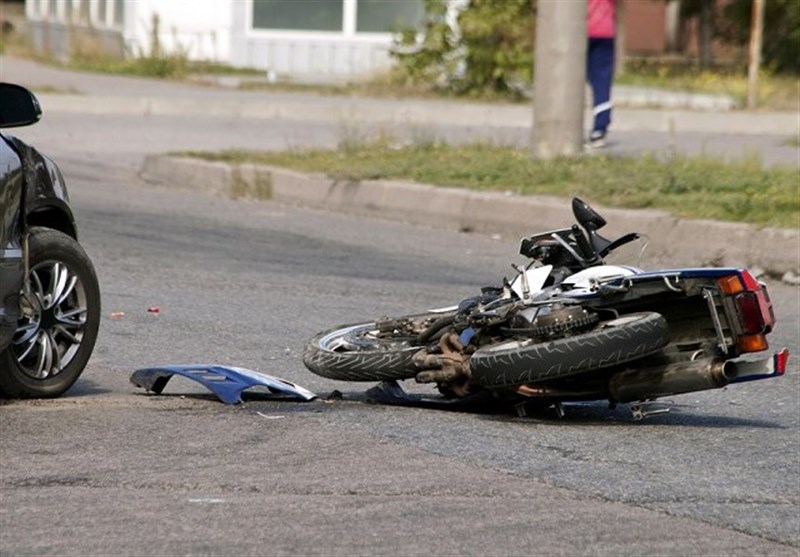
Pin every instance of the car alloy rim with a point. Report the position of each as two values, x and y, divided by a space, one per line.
53 320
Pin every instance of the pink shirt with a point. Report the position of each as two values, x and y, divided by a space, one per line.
600 19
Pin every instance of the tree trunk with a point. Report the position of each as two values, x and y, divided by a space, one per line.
756 32
706 33
619 40
673 26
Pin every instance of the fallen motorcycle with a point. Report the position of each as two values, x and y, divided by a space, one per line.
571 327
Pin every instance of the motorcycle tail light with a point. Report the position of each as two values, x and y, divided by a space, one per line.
749 310
750 282
730 285
751 300
753 310
740 282
752 343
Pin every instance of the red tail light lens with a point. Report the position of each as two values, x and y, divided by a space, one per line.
753 308
750 282
749 313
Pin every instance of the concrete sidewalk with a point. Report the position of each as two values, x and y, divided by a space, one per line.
73 91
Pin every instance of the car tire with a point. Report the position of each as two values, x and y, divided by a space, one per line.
56 334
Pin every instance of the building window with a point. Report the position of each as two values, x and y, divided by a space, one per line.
386 16
78 11
100 15
307 15
46 8
119 12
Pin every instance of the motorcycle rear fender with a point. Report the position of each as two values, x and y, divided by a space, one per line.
742 370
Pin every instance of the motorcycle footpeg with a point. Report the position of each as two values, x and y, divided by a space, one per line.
643 410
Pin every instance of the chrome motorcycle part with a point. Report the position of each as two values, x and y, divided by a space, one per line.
697 375
644 410
712 310
670 379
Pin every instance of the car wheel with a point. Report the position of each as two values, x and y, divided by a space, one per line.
60 318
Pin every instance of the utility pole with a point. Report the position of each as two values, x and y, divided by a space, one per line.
756 32
672 25
559 78
620 53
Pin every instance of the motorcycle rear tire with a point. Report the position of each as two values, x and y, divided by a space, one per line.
611 343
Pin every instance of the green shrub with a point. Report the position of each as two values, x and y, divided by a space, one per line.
492 51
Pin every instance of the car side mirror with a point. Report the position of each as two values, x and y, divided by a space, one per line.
18 106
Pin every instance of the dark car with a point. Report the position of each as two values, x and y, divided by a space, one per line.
49 296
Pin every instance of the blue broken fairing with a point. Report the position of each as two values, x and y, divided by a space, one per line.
224 381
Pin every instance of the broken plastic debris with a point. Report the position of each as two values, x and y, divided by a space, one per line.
268 417
154 309
224 381
117 314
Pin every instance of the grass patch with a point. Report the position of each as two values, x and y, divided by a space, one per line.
175 66
775 92
691 187
170 67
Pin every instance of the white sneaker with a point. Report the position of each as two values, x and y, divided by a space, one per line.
597 139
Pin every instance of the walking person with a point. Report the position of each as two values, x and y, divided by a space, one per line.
601 31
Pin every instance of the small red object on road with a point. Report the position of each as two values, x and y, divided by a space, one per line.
154 309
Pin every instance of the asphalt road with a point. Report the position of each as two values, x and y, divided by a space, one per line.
110 469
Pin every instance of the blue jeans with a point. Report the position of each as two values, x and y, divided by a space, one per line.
600 73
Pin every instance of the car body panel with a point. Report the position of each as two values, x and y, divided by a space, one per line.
11 262
31 182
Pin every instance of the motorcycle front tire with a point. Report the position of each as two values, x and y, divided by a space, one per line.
347 353
618 341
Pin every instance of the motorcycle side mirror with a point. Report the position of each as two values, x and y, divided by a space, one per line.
586 216
19 106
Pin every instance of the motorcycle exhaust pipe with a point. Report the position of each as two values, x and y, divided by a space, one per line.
670 379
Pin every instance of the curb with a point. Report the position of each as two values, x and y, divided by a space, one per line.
683 242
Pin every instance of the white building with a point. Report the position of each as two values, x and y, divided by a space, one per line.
303 39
